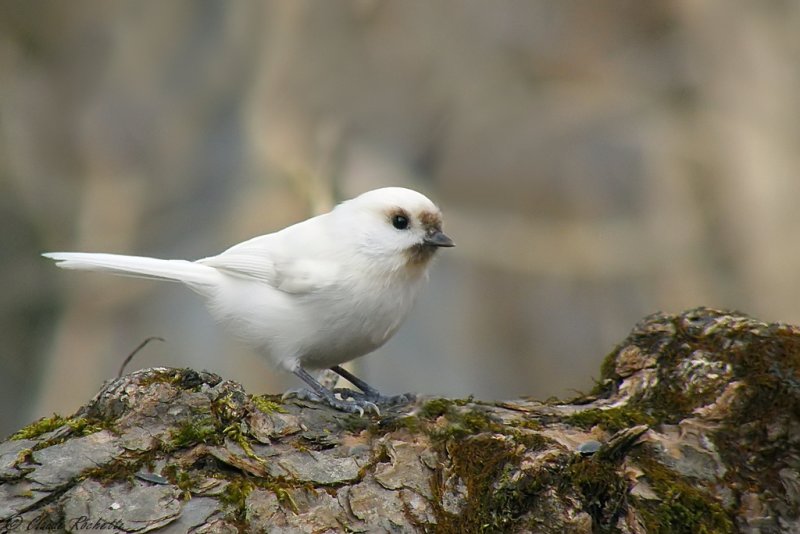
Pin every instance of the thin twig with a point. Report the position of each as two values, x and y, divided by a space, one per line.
137 349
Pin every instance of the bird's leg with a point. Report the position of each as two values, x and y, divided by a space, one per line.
370 393
323 394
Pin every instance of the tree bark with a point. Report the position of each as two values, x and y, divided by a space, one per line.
693 426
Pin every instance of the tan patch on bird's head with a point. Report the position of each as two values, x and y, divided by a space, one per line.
431 220
391 213
420 254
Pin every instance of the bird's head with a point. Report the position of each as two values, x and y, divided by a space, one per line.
395 225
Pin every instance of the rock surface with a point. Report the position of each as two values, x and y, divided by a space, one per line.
694 426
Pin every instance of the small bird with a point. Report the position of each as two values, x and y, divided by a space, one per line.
316 294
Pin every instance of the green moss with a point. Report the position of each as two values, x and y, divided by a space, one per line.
300 446
603 491
683 508
234 498
608 369
475 421
192 432
384 425
181 478
457 422
185 483
483 453
436 408
78 426
671 404
608 381
285 498
611 419
39 427
162 376
236 433
521 431
765 357
760 422
24 456
529 424
464 423
116 470
267 404
482 462
353 423
531 441
120 468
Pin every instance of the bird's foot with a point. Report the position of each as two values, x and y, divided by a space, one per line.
344 404
301 394
377 398
358 406
369 393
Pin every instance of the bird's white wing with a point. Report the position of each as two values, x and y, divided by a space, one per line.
290 276
265 259
245 266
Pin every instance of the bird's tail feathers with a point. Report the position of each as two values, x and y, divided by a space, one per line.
193 274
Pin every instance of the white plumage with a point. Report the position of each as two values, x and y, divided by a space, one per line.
317 293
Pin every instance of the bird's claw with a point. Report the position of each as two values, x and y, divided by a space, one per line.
380 400
301 394
358 406
348 404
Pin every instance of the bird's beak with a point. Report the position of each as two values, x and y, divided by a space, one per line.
437 238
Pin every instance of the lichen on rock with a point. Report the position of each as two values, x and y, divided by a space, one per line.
694 426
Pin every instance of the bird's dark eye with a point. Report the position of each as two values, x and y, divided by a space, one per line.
400 222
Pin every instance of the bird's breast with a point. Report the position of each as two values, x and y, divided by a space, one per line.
320 328
355 320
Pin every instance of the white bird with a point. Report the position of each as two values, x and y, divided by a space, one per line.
315 294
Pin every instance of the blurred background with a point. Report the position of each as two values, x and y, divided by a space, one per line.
595 162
